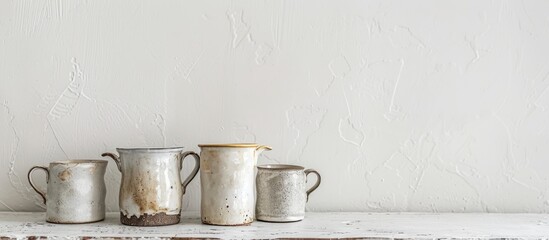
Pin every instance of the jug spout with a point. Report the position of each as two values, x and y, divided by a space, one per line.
262 148
259 150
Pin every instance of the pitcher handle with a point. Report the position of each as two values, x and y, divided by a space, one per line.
318 179
115 158
195 170
29 177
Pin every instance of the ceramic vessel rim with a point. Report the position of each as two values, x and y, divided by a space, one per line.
153 149
80 161
233 145
280 167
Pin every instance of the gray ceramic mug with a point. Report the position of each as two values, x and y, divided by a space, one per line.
75 190
282 193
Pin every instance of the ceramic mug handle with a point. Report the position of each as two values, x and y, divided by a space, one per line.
115 158
318 179
195 170
29 177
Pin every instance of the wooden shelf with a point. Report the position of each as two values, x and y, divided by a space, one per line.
315 225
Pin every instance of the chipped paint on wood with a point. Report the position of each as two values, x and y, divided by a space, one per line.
352 225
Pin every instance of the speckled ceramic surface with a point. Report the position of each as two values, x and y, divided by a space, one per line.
227 176
281 192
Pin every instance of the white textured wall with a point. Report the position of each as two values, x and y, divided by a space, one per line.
401 105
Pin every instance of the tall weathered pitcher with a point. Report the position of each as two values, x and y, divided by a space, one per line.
151 188
227 177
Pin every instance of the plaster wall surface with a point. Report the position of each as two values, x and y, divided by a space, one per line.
400 105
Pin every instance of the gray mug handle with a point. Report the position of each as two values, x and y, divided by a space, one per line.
29 177
195 170
115 158
318 179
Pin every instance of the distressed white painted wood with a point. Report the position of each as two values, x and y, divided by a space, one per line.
315 225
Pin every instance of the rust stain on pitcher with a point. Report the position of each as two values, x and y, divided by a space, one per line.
142 189
151 189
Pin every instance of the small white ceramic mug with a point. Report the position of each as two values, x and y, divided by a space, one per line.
75 190
281 192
